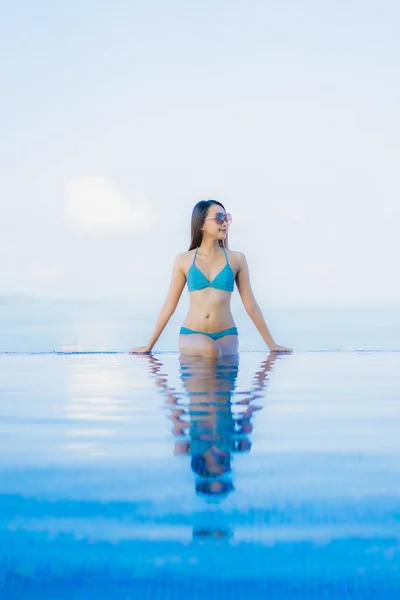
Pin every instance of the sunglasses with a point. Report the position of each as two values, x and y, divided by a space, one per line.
219 218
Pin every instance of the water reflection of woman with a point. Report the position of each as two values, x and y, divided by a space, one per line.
211 421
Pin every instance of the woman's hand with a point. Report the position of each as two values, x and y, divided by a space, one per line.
141 350
279 349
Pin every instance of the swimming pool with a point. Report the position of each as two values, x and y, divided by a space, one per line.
147 476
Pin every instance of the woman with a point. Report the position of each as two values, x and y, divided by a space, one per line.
210 270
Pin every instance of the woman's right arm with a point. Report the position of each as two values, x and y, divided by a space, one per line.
178 281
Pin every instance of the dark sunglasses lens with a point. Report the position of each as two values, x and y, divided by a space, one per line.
221 217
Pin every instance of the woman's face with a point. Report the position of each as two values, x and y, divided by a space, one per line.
215 223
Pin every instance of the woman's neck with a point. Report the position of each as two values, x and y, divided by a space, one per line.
209 247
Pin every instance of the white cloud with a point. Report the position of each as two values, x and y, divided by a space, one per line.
95 204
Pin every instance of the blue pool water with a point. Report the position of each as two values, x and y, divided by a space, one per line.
148 476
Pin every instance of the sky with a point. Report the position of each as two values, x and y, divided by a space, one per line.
116 118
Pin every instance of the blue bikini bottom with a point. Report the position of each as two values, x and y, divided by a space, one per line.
214 336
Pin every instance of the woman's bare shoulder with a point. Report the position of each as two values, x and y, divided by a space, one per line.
236 257
183 258
186 255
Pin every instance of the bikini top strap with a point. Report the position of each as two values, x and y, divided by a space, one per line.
226 256
195 254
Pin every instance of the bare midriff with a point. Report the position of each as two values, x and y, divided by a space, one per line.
209 311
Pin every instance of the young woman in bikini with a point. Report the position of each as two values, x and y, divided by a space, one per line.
210 270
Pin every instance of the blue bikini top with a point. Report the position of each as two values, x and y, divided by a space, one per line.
196 280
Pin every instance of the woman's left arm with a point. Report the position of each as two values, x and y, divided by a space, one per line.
251 306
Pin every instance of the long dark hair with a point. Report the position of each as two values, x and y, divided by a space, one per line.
198 215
